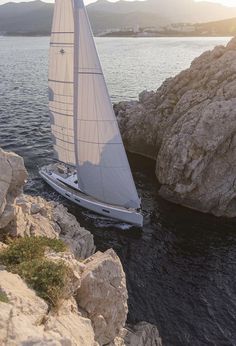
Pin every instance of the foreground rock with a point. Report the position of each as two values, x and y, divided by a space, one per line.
12 177
22 215
143 334
103 295
98 318
189 127
25 320
98 315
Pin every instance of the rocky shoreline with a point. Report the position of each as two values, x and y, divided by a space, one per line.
94 312
188 126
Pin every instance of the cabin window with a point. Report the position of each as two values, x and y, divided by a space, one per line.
106 211
77 200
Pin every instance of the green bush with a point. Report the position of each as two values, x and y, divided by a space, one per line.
50 280
27 249
3 297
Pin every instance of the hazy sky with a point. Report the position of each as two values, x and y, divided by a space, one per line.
224 2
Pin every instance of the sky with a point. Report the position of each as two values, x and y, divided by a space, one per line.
224 2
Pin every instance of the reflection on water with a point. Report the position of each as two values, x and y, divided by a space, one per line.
181 269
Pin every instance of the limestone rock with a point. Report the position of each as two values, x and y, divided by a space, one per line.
75 266
21 297
25 320
189 127
103 295
70 324
78 238
142 334
12 178
34 216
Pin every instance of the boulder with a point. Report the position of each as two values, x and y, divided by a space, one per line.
34 216
188 126
69 323
142 334
103 295
78 238
25 319
12 178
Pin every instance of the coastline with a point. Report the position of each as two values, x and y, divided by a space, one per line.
125 36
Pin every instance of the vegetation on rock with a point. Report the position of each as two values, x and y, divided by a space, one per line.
29 248
3 297
26 257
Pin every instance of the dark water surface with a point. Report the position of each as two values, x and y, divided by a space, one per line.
181 269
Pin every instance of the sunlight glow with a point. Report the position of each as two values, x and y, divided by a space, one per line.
223 2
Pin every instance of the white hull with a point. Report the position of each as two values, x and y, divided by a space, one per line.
60 184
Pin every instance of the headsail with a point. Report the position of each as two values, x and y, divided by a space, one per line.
102 164
61 81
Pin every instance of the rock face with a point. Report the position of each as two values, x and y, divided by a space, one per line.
189 127
33 216
103 295
25 320
98 315
12 177
22 215
142 334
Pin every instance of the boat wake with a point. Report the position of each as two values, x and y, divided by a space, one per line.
104 222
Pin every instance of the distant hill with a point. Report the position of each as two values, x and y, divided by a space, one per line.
27 17
31 18
219 28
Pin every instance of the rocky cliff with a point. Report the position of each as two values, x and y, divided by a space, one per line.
189 127
91 309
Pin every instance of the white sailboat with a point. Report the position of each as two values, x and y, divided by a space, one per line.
92 169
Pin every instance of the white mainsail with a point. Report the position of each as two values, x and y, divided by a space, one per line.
61 81
84 126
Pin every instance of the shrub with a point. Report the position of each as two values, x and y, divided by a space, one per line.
3 297
50 280
27 249
25 257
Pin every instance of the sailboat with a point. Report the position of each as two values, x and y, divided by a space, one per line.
91 169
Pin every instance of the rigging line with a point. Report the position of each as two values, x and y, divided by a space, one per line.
76 13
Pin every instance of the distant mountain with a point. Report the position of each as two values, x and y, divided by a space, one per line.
35 17
171 10
219 28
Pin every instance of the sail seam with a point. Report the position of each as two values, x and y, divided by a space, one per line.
62 43
92 73
60 81
62 32
67 115
98 143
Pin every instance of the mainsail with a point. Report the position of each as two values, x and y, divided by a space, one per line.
84 126
61 81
